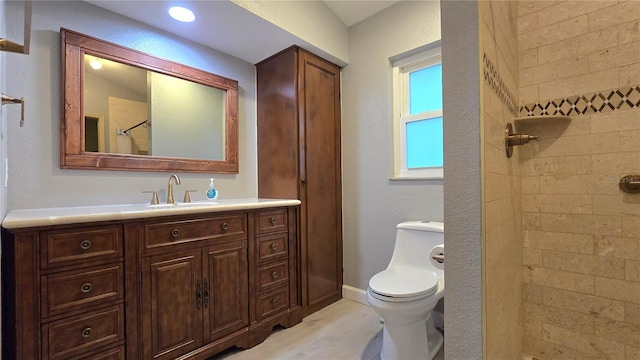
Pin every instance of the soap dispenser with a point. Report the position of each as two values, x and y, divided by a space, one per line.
212 192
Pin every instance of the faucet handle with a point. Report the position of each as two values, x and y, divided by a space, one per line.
154 198
187 198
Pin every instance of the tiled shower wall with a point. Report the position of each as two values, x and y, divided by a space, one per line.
581 234
502 267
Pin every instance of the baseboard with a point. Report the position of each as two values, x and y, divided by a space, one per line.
354 294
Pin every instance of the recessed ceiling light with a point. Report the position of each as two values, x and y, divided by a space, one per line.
181 14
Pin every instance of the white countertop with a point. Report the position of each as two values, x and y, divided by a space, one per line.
83 214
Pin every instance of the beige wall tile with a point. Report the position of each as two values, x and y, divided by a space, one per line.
527 22
531 257
530 184
622 247
526 7
615 165
631 229
567 204
614 15
559 12
528 58
618 289
576 243
619 331
579 145
585 264
621 120
629 32
566 29
591 345
547 351
570 320
529 95
579 184
632 270
579 45
530 221
620 204
499 186
629 139
561 69
585 304
581 224
532 293
562 280
580 84
632 313
622 55
632 352
568 165
630 74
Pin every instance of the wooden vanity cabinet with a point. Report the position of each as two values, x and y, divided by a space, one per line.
299 156
177 287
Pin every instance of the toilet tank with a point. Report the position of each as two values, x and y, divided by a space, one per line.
414 242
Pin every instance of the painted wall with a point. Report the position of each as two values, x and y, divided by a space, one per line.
3 122
372 203
502 258
35 178
581 233
463 206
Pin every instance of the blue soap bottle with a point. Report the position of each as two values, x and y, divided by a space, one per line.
212 192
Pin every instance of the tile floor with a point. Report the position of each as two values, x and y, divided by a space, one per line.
345 330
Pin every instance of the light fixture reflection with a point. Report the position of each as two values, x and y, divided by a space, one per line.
95 64
181 14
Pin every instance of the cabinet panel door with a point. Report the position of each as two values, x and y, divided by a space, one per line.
320 167
225 303
170 314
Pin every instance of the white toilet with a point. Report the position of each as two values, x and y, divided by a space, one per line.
405 294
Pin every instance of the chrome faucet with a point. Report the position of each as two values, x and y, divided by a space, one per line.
170 190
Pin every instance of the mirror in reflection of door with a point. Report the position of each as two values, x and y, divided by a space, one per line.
150 113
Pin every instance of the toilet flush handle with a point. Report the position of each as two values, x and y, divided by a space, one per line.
439 258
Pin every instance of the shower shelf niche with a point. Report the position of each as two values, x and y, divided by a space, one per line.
540 118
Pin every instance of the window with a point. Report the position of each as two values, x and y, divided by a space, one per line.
417 92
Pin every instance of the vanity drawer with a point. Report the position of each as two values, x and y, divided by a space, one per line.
271 276
181 231
77 289
272 220
75 246
117 353
272 303
272 247
78 334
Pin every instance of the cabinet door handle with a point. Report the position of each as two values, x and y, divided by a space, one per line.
85 244
86 288
198 295
272 221
206 293
274 247
87 332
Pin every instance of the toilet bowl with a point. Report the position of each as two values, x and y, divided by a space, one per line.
405 294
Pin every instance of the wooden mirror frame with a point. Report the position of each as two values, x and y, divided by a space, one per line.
72 154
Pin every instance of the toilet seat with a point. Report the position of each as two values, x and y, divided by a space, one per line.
402 283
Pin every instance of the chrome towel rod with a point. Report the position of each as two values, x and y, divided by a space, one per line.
11 100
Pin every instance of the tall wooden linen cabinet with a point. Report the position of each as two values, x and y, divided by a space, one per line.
299 157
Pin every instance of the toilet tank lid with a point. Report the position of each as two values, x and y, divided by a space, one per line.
432 226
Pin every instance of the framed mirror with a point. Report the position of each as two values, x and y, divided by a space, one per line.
126 110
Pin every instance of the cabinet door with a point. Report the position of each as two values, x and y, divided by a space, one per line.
170 304
321 209
225 300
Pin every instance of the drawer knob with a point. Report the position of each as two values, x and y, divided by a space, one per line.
274 274
86 287
274 247
175 233
273 221
87 332
274 302
225 226
85 244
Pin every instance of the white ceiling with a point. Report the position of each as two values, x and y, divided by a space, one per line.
227 27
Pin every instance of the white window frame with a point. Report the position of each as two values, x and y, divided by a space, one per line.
400 75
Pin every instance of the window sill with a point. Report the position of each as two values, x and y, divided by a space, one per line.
414 178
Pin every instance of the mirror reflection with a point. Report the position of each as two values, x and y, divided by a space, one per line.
129 110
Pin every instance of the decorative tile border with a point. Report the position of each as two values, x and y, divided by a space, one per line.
600 102
494 80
